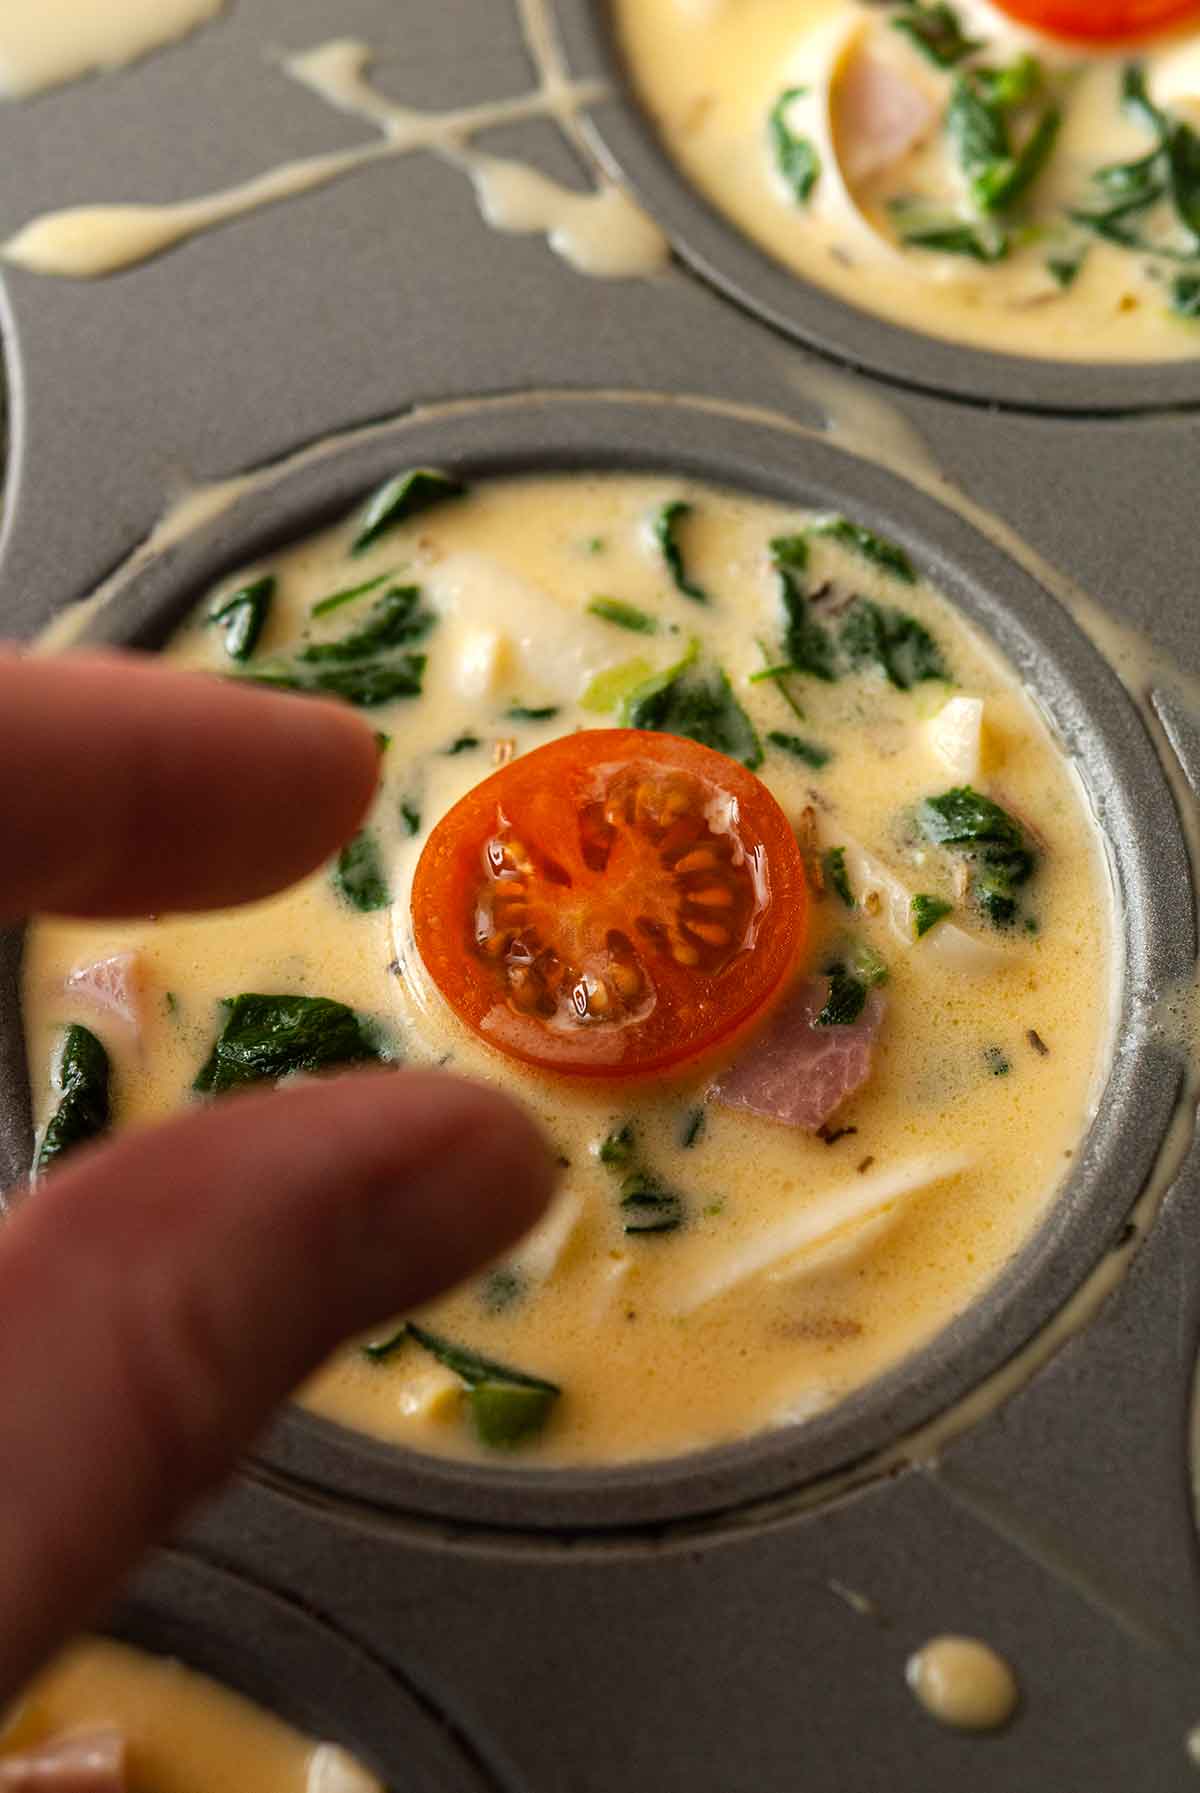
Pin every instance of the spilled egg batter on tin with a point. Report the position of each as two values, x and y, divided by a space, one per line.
805 962
1021 176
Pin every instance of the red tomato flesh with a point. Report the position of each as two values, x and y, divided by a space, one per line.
612 904
1100 21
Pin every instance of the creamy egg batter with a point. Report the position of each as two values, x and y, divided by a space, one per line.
183 1732
46 42
964 1683
600 231
805 1264
824 132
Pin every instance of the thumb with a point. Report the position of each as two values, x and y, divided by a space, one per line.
162 1293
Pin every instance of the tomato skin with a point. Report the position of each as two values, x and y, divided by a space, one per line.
1100 21
602 879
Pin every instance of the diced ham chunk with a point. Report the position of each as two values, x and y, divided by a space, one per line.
79 1762
114 986
796 1072
879 116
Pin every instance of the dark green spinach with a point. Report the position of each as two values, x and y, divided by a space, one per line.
244 615
697 702
407 495
666 534
795 157
264 1038
359 876
82 1079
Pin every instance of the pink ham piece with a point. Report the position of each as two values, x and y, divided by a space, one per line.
796 1072
79 1762
879 116
114 986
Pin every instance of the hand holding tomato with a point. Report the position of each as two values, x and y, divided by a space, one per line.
162 1293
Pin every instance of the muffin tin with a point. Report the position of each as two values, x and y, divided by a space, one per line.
738 1620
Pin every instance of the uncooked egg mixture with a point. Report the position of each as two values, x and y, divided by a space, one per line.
743 1236
105 1716
956 171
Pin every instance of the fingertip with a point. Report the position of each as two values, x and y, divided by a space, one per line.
339 749
495 1169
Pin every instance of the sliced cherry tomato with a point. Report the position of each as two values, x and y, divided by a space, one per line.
611 904
1100 21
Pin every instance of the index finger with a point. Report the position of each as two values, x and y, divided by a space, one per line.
127 787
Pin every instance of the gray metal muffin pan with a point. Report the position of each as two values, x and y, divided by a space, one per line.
626 139
688 1626
293 1663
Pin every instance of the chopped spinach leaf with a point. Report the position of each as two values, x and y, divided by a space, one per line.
382 741
625 616
696 702
902 648
927 911
666 534
779 676
393 620
693 1127
845 1003
367 684
410 815
800 749
795 157
1013 85
82 1079
338 598
888 556
1185 295
994 840
244 615
936 31
964 817
978 124
264 1038
976 127
405 496
1065 268
617 1148
1135 97
807 643
462 744
648 1206
358 874
836 875
524 713
507 1406
943 233
790 551
1127 192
